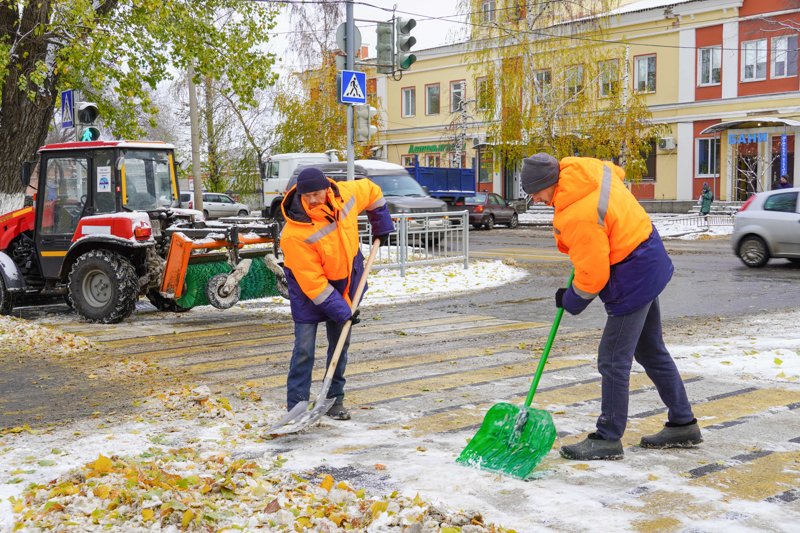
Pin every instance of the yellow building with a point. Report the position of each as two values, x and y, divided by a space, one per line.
720 75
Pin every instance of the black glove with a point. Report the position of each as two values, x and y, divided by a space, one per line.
560 297
354 319
384 239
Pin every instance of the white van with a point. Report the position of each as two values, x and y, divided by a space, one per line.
278 170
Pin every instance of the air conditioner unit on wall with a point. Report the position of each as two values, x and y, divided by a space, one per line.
666 143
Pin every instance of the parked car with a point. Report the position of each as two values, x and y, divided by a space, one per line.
485 208
768 225
216 205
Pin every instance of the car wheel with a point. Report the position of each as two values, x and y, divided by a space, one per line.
514 222
205 214
103 286
489 224
753 251
242 213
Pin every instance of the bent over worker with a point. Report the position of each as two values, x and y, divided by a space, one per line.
617 255
323 264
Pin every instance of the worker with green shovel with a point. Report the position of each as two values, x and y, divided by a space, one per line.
617 255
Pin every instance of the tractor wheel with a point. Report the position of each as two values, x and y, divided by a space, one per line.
6 299
164 304
103 287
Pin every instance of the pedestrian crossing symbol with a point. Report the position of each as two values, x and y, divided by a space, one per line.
354 87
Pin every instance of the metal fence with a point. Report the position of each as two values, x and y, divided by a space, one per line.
421 239
699 221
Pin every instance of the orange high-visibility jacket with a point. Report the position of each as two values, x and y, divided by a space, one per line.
322 254
597 221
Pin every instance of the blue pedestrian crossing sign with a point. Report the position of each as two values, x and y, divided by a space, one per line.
354 87
68 109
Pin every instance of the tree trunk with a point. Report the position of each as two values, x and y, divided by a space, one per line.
24 121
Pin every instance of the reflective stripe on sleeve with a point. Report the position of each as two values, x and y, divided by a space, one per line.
583 294
314 237
380 202
605 194
323 295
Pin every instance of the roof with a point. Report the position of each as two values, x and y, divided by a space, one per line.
751 122
93 145
644 5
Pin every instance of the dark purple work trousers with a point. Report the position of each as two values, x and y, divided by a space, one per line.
637 335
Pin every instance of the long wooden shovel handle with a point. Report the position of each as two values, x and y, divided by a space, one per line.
353 307
546 352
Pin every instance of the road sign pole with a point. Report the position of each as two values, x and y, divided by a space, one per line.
349 64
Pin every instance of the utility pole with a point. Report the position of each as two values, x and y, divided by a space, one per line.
350 54
195 127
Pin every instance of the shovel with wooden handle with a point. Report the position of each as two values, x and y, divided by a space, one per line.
303 414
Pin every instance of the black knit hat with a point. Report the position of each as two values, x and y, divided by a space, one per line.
539 171
311 179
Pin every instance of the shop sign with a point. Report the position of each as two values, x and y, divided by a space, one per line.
784 155
747 138
422 148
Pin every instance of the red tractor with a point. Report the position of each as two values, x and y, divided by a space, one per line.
105 228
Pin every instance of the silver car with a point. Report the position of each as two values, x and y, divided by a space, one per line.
768 225
216 205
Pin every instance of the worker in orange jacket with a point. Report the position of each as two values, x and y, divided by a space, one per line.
617 255
323 264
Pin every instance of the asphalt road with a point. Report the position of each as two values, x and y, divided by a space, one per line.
434 367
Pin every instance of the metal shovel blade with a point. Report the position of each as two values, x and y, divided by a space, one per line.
302 418
295 413
512 440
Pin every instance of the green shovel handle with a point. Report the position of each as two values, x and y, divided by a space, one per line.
550 338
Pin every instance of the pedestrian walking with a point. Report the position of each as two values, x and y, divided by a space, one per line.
783 183
706 198
323 264
617 255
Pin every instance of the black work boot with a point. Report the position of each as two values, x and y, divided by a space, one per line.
338 411
593 447
674 436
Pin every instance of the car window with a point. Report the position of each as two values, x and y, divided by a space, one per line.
478 198
210 198
495 199
784 202
225 199
399 185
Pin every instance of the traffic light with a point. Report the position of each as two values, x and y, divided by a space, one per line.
364 127
385 48
87 115
404 42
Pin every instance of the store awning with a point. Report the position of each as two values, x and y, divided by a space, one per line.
751 122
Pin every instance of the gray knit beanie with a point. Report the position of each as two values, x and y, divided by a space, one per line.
539 171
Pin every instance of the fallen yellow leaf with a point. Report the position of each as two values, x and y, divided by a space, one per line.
327 482
147 514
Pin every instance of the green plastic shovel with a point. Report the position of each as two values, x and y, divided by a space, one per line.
512 440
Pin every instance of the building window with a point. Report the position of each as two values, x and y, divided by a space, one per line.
432 99
574 80
456 95
433 160
609 77
784 56
754 60
707 157
407 160
709 65
455 162
409 101
650 162
483 90
644 73
485 167
541 86
487 10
